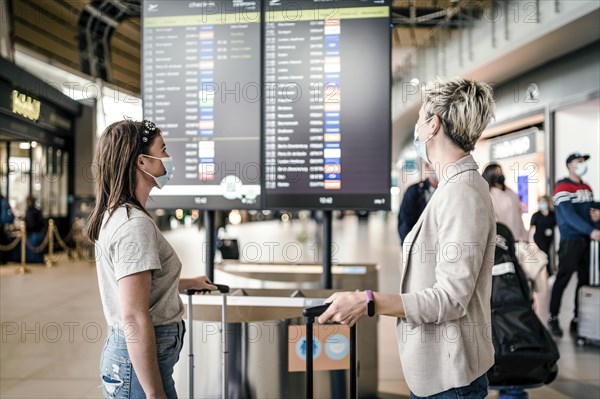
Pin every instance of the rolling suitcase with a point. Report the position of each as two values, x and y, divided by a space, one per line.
309 317
588 329
224 290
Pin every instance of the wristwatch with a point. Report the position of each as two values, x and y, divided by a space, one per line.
370 303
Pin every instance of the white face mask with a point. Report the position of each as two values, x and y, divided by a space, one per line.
168 165
421 146
581 169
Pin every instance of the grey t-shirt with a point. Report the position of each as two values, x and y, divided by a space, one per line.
129 245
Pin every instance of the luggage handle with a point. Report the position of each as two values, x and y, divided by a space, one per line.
310 314
315 311
223 289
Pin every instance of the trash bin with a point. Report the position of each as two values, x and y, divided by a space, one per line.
265 347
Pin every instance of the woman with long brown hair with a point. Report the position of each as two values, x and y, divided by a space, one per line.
138 271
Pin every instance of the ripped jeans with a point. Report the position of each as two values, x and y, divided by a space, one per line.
119 380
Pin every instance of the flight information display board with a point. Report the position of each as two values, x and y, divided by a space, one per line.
327 121
201 70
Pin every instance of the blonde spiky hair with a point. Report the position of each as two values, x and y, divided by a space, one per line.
465 108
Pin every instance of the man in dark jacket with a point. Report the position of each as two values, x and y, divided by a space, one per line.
34 221
414 202
35 225
577 219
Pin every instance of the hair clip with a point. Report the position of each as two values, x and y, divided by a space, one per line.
148 129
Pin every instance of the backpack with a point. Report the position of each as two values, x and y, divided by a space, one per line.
6 215
525 351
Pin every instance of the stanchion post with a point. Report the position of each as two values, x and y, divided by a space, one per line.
50 256
23 269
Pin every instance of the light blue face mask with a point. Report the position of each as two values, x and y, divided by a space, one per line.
421 146
581 169
168 165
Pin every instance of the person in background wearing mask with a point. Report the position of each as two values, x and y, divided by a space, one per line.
578 222
138 270
542 224
507 205
415 200
447 257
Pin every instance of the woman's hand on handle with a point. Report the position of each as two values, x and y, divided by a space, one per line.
198 283
349 307
346 308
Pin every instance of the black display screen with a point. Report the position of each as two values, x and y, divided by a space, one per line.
327 123
201 85
272 104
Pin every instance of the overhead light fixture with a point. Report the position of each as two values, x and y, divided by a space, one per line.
24 146
235 217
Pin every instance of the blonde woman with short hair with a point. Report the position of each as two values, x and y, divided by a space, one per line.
443 309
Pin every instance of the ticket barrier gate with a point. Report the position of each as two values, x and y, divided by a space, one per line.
266 342
346 276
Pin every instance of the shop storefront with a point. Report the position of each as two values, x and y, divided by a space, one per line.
36 144
521 155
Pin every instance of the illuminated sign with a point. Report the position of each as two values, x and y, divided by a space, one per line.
25 106
514 146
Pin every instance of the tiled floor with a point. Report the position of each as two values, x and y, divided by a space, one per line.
52 322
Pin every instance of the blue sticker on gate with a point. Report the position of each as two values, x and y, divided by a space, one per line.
301 348
337 347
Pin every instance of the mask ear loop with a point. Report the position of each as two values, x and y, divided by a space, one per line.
430 118
432 134
153 157
143 170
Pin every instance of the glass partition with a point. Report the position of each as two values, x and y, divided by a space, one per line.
19 167
30 168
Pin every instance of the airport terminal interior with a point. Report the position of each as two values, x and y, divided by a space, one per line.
297 167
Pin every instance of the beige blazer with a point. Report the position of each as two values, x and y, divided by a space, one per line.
445 338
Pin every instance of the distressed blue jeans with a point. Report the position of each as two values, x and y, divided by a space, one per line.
119 380
476 390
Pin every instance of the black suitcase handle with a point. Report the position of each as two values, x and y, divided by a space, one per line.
315 311
223 289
